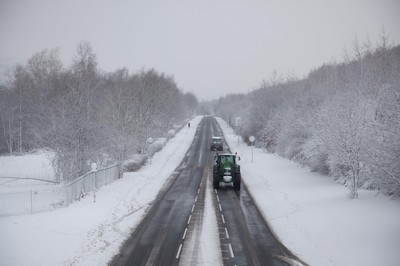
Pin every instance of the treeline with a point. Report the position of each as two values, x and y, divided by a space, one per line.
83 114
342 120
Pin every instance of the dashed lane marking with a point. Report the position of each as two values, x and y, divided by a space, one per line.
231 251
184 234
226 232
179 251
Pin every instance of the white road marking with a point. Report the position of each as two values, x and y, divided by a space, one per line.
217 198
198 191
195 200
193 207
190 217
184 234
231 251
226 232
223 218
220 208
179 252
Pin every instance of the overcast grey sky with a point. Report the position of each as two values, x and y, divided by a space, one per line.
211 47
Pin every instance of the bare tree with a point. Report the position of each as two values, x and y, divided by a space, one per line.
8 119
84 115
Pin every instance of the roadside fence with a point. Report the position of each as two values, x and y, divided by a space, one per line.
90 182
34 201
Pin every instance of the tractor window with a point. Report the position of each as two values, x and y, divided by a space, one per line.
227 160
223 161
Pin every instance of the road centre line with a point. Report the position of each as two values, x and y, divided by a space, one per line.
198 191
220 208
217 198
226 232
193 207
184 234
190 217
223 219
195 200
179 251
231 251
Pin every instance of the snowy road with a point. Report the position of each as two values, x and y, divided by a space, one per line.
171 233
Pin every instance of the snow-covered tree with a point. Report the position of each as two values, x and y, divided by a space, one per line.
342 120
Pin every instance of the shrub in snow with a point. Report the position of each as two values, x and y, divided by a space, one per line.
135 165
171 133
156 146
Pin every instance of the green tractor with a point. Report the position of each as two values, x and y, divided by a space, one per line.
226 170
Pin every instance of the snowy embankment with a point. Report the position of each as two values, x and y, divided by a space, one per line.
312 214
88 232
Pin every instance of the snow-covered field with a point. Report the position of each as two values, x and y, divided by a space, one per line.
310 213
13 173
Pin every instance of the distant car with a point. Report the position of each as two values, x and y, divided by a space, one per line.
217 143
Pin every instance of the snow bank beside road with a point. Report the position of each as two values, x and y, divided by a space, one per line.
312 215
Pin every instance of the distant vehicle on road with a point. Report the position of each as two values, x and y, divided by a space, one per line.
226 170
217 144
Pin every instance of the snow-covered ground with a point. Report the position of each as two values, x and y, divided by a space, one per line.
310 213
14 172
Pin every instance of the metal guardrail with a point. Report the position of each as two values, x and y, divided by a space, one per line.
33 201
